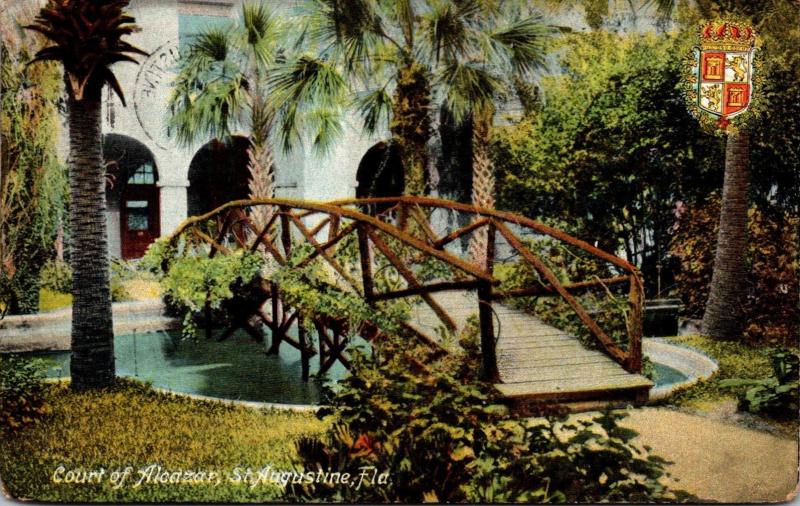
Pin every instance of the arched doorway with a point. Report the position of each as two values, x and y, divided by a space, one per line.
380 172
132 195
218 174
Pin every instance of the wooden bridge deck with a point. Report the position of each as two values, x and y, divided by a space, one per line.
538 362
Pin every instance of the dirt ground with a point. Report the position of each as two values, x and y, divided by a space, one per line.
717 460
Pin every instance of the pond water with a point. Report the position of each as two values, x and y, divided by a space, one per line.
666 375
236 369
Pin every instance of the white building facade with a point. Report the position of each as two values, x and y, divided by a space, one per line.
155 183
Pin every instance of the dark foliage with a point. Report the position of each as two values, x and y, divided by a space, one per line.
21 392
771 310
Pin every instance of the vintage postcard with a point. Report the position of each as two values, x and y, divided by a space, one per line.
399 251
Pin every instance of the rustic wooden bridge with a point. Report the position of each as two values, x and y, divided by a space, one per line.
413 248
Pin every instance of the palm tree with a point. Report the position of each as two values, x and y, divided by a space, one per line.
222 86
395 57
476 76
86 39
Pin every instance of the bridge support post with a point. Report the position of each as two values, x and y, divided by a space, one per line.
207 317
489 371
275 327
304 355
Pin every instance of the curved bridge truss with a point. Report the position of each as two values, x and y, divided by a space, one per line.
407 247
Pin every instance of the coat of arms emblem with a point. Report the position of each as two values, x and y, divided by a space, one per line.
723 72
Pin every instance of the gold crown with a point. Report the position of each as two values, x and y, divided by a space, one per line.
727 36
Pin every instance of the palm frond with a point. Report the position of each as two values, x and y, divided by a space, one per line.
301 86
375 108
109 78
334 21
325 126
309 80
406 18
262 31
525 43
85 37
213 44
446 30
467 86
289 125
211 113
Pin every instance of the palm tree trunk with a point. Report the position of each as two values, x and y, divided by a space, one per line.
262 181
261 160
92 331
411 125
482 177
723 315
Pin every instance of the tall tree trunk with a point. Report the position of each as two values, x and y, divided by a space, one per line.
92 331
723 315
411 125
482 177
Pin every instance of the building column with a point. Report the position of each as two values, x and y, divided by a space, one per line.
174 207
114 231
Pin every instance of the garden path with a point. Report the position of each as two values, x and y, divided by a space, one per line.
539 362
717 460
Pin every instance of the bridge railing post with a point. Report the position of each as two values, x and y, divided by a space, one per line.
489 370
636 299
366 263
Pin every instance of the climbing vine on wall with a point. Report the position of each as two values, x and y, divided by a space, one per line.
33 186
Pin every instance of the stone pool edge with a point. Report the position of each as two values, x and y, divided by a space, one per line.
51 330
691 362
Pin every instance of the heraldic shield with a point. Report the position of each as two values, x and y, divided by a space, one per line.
725 70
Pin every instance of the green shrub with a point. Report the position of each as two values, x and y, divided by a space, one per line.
21 392
118 291
124 271
439 435
56 276
776 395
196 280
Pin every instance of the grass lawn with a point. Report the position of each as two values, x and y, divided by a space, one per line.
142 289
135 290
50 300
135 426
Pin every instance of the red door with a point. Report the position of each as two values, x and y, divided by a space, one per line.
140 219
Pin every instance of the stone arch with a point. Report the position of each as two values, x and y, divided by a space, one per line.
380 172
218 173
